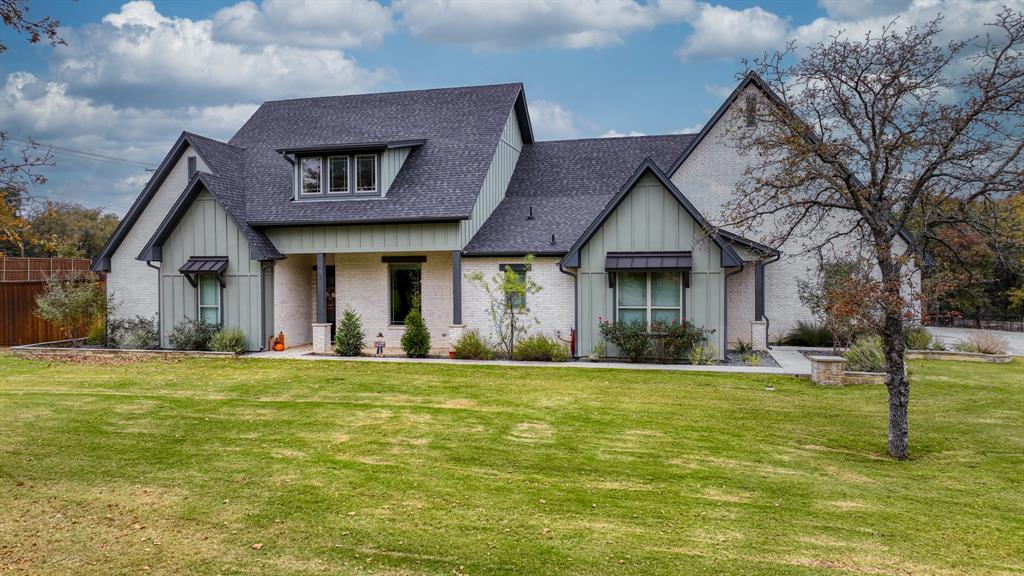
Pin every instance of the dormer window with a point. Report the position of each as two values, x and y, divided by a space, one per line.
338 175
311 170
366 173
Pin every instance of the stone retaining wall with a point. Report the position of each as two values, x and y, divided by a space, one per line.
954 355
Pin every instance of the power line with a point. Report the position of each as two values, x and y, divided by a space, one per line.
86 155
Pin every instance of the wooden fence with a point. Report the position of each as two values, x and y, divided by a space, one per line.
21 280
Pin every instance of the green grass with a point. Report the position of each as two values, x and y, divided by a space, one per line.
352 468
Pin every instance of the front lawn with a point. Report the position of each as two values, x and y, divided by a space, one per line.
295 467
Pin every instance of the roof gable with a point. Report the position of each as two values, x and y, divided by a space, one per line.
261 248
729 257
202 147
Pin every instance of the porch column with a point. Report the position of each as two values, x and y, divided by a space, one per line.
456 287
457 328
759 327
321 329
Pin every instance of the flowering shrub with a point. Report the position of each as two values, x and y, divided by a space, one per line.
671 340
631 338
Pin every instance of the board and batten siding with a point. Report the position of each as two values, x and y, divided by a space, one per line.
649 218
207 230
503 164
391 161
413 237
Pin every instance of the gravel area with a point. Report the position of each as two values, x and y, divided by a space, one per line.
736 359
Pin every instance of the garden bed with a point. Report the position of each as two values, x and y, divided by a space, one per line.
67 348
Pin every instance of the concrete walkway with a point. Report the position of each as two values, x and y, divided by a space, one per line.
950 336
789 365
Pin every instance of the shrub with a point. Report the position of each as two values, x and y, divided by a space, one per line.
598 351
72 304
540 348
136 333
751 359
416 339
743 346
865 355
671 340
632 338
984 343
349 337
808 334
918 338
192 334
703 355
228 340
97 335
472 347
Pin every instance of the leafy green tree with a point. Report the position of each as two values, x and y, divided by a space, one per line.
73 304
507 293
70 230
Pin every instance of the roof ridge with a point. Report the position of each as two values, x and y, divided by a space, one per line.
615 138
214 140
389 92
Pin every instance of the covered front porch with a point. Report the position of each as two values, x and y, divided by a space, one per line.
312 291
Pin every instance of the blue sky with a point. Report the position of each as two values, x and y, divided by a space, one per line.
135 74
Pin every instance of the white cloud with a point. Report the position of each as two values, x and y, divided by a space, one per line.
309 23
139 55
552 121
690 129
857 9
616 134
517 24
720 32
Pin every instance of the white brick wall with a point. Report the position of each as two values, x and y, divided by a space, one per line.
740 295
553 305
131 284
708 179
292 295
361 281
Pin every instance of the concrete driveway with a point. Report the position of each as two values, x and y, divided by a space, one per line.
950 336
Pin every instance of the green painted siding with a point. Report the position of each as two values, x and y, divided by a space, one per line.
650 219
390 163
496 182
206 230
416 237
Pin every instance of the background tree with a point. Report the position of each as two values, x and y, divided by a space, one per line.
71 230
507 292
894 134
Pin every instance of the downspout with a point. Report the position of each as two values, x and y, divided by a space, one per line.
158 301
575 311
725 312
767 321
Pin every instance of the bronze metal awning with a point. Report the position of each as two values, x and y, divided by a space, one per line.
197 265
636 261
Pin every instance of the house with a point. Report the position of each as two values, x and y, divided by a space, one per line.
365 201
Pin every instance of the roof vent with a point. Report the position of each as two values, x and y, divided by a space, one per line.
191 167
530 215
552 239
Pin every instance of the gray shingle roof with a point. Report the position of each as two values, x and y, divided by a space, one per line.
567 183
440 179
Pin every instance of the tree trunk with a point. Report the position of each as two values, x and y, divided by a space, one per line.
895 367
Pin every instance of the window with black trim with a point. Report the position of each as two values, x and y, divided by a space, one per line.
337 175
209 291
516 301
649 297
403 289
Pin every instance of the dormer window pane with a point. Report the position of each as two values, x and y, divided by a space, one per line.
311 169
338 169
366 173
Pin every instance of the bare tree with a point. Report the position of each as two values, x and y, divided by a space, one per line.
15 14
887 140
